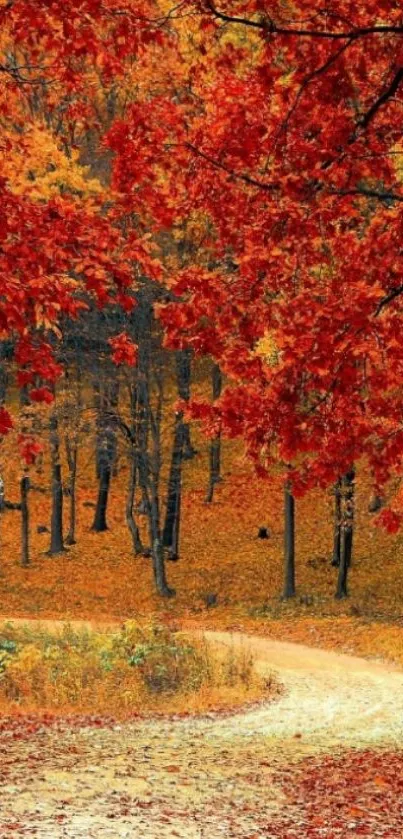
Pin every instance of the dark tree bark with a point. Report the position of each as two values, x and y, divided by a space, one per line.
147 429
347 530
72 446
24 491
170 537
97 405
215 445
289 543
56 524
72 458
106 454
100 523
141 412
337 525
157 550
184 376
138 548
153 495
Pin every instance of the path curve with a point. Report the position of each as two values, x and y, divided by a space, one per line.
329 698
202 778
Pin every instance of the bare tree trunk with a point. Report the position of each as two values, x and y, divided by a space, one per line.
184 375
24 491
100 523
130 520
141 408
56 524
158 558
347 530
106 453
170 537
72 448
72 458
215 445
289 543
153 488
337 525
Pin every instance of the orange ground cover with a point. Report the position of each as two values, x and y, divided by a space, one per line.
99 578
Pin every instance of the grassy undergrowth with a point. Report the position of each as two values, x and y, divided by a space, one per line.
139 668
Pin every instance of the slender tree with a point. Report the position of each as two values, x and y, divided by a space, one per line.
289 543
346 538
173 512
215 444
56 523
24 495
337 524
184 376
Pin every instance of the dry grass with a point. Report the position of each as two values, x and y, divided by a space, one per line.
138 669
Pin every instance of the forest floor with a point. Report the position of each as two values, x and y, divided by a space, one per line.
222 562
321 761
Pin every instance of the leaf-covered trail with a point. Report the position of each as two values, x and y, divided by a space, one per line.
201 778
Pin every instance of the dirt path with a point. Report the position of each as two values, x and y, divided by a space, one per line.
200 778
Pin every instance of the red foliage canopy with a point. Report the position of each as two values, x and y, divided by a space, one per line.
288 141
290 144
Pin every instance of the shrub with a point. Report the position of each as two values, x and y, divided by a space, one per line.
142 666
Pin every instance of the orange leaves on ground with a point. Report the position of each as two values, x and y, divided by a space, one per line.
220 555
331 795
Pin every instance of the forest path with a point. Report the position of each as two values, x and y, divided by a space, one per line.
199 778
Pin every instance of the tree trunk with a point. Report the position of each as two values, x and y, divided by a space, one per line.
154 474
184 374
96 386
106 453
100 523
170 538
130 520
159 570
337 525
289 543
56 524
215 445
148 433
24 490
347 530
158 558
142 421
72 456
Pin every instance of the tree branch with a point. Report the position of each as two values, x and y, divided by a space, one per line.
239 176
271 27
388 299
368 193
391 90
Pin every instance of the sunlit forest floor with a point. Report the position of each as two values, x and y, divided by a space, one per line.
226 576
